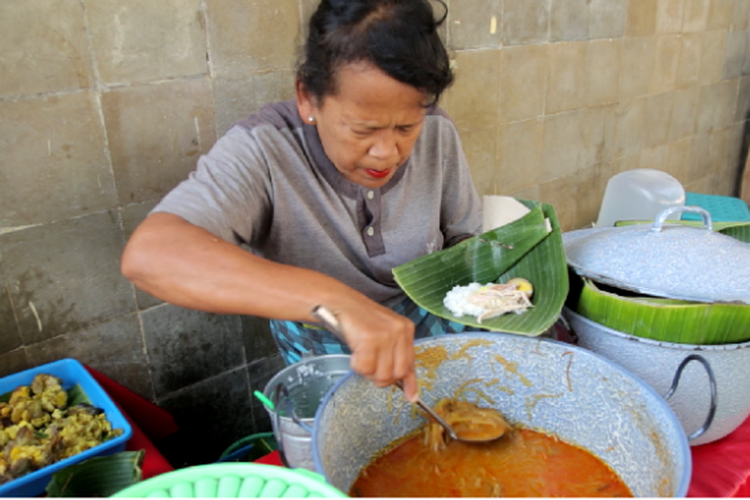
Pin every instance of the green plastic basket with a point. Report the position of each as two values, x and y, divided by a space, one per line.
233 480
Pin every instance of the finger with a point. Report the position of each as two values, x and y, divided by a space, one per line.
411 389
364 362
384 375
403 358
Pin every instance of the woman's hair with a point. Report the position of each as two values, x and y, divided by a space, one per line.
397 36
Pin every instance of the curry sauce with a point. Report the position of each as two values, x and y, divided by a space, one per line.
526 463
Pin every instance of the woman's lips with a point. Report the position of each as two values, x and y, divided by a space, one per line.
378 174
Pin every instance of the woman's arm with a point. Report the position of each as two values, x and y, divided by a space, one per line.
188 266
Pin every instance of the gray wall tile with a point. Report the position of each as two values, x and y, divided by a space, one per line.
252 35
257 338
13 362
735 54
186 346
525 22
607 18
141 40
238 97
10 338
740 15
65 276
569 20
473 100
475 24
54 163
114 348
43 46
641 17
481 150
211 416
156 134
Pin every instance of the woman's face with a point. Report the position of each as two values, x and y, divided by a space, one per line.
369 127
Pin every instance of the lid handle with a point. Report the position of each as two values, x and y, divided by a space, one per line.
662 217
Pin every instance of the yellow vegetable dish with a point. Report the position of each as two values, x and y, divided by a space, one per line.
38 428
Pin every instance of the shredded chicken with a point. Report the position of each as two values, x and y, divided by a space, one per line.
499 299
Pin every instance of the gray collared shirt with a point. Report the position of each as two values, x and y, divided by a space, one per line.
268 184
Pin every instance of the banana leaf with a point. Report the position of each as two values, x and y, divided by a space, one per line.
737 231
98 476
530 247
665 319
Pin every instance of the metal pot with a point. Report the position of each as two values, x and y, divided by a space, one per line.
676 262
561 389
655 362
296 392
671 261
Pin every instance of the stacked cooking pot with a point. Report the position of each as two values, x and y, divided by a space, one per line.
642 268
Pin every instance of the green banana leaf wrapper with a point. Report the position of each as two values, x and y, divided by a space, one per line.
663 319
666 319
98 476
530 247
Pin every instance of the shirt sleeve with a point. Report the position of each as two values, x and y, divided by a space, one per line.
461 210
228 193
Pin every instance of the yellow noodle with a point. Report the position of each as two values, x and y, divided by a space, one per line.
461 353
512 367
531 401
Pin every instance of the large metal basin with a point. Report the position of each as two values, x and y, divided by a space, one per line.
573 393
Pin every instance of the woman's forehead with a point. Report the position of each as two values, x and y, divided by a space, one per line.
365 93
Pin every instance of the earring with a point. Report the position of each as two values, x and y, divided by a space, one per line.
310 119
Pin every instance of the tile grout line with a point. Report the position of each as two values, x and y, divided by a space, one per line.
209 60
99 89
103 87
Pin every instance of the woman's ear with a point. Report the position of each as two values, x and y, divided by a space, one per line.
305 103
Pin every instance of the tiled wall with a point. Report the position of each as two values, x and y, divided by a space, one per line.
105 105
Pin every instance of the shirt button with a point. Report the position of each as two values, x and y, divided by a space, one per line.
370 195
370 230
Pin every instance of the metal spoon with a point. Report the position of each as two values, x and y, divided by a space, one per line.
329 320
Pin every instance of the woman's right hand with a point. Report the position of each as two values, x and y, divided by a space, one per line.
382 344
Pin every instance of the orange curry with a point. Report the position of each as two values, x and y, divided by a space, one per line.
523 463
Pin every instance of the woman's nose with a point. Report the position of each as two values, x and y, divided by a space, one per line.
385 146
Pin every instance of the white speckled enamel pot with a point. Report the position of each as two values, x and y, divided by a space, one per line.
543 384
655 362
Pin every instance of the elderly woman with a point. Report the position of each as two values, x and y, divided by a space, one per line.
314 201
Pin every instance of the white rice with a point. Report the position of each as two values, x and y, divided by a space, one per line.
456 302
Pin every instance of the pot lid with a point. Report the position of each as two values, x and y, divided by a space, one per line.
672 261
